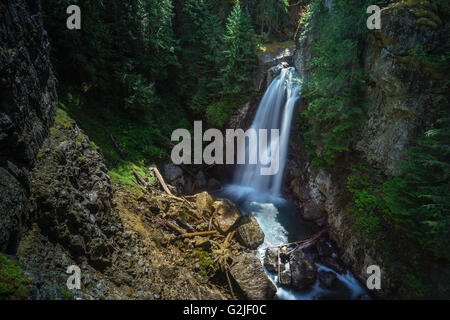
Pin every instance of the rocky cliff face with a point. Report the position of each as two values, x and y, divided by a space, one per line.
27 104
401 96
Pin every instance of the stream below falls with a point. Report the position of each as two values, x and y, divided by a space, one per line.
281 223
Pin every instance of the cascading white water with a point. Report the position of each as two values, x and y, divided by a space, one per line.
259 195
274 112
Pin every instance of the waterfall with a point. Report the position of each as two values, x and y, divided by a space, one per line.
259 195
274 112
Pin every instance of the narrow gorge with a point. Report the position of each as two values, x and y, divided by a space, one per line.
87 179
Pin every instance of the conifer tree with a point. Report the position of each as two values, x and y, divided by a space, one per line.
419 199
269 14
201 41
238 56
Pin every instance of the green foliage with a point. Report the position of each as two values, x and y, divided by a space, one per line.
66 294
333 94
200 40
123 49
141 95
419 199
435 61
220 111
140 141
407 216
205 261
218 61
368 206
14 285
123 174
62 119
238 56
270 14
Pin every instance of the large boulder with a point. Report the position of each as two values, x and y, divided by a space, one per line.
249 233
249 274
226 214
175 177
271 260
303 271
71 196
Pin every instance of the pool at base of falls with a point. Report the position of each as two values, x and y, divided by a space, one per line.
281 223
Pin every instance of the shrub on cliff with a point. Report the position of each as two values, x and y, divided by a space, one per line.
13 282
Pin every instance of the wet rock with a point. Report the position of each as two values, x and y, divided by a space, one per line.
327 278
243 116
275 71
271 260
285 279
226 214
249 233
12 207
303 271
324 248
268 60
249 274
172 173
332 264
313 211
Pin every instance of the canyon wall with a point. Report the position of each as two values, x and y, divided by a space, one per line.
28 100
401 101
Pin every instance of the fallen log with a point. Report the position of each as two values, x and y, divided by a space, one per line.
311 239
160 179
139 179
228 237
202 233
185 225
174 227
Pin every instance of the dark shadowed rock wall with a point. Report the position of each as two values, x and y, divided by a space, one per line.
28 100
